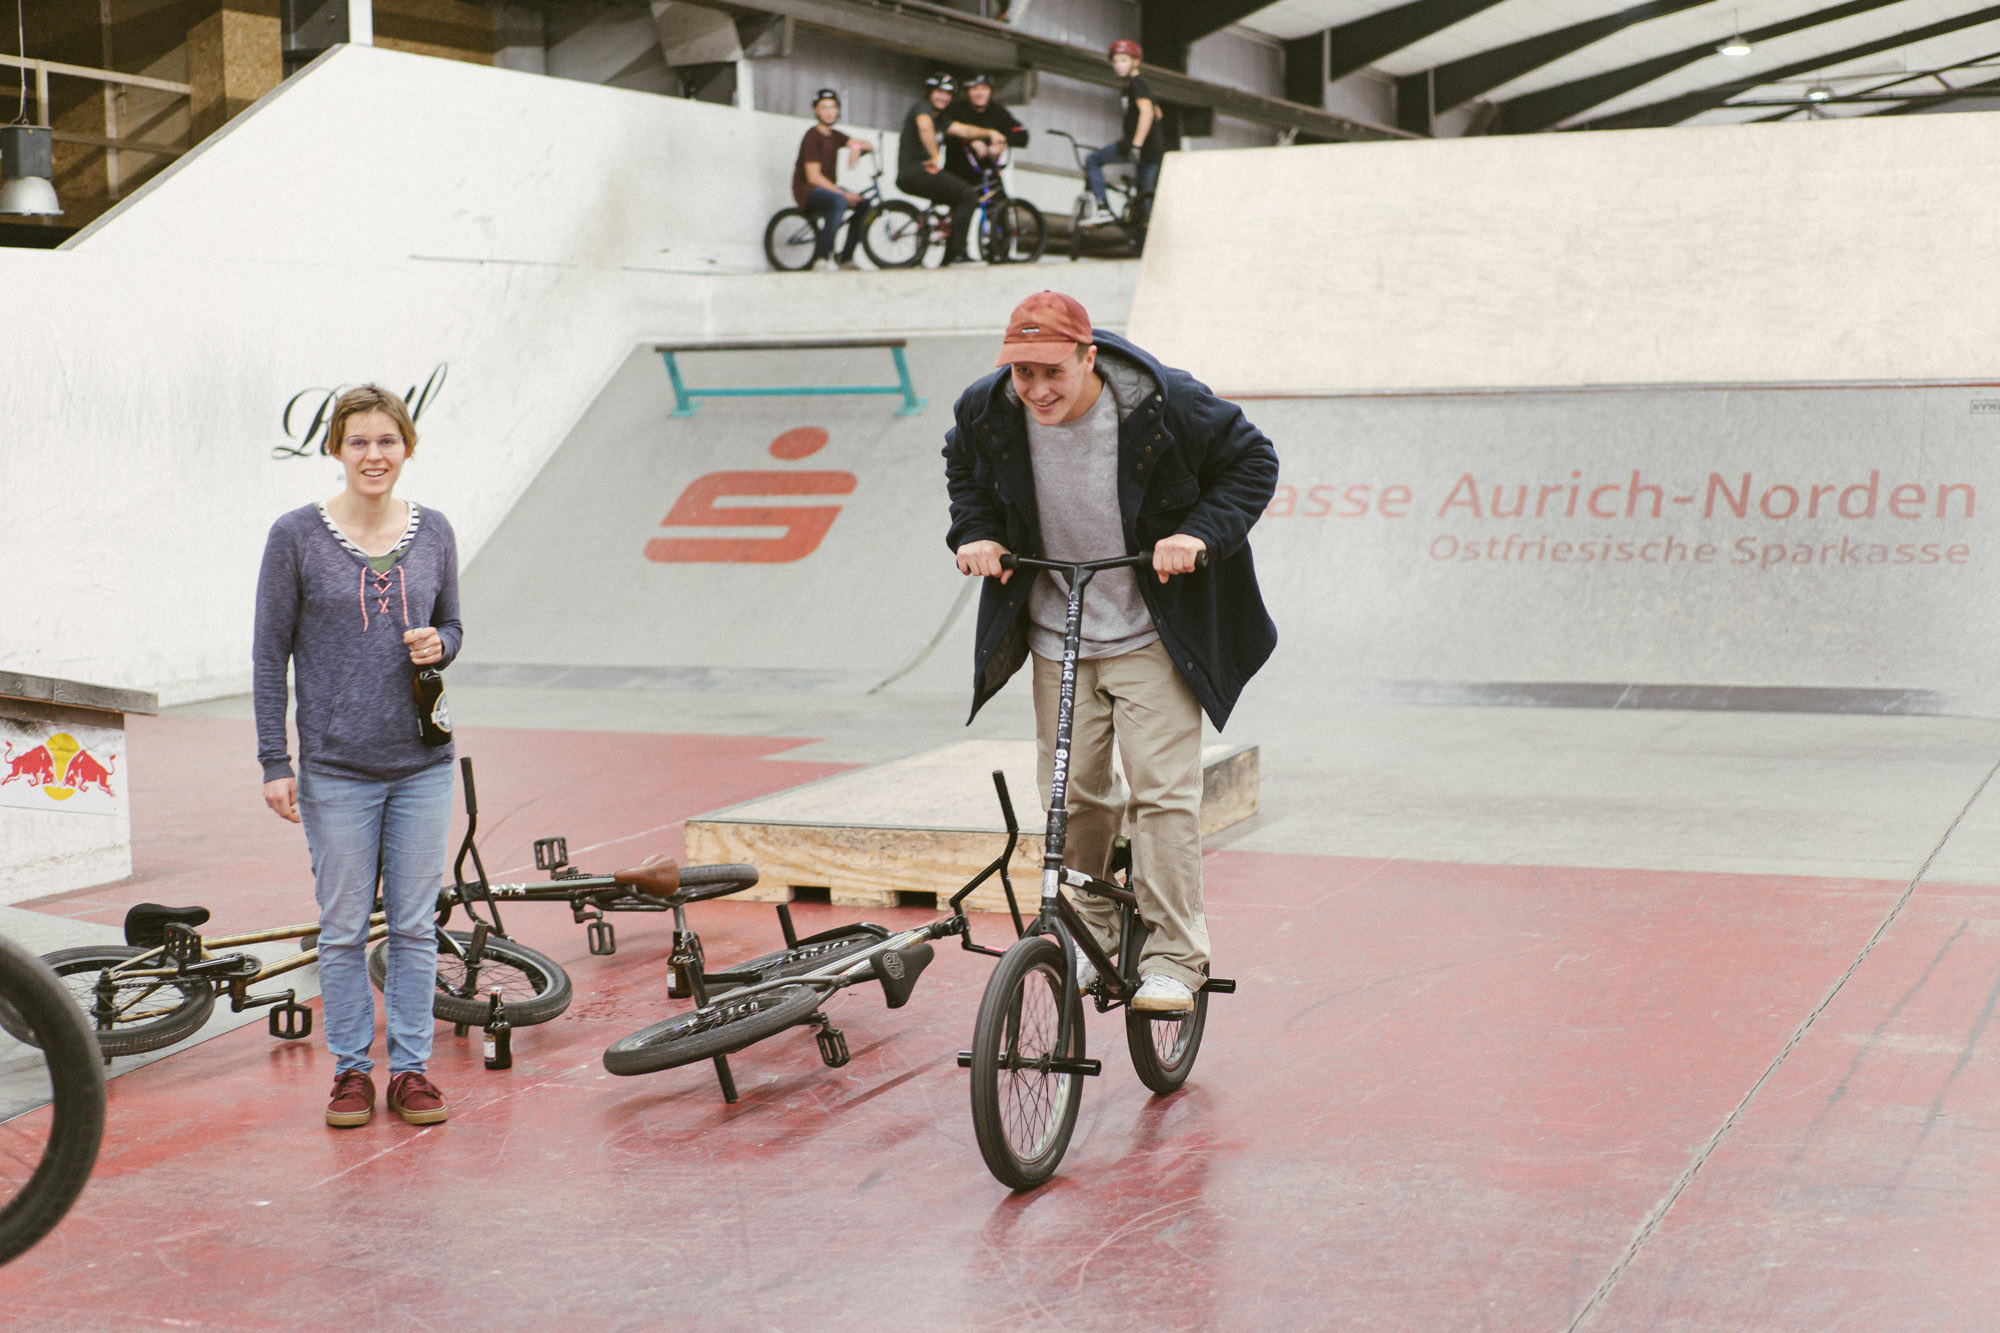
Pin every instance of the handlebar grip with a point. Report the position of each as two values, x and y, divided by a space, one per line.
1006 802
1006 562
1201 560
471 792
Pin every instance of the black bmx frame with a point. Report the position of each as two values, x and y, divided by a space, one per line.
1117 982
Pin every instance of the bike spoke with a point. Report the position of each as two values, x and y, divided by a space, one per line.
1031 1096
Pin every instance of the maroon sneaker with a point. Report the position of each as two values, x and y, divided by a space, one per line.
353 1100
416 1099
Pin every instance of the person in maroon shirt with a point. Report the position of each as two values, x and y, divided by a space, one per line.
814 185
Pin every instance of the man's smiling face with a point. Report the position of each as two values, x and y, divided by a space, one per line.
1059 392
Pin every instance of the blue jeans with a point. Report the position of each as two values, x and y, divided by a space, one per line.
1093 175
352 827
827 208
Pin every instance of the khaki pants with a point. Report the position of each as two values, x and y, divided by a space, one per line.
1142 700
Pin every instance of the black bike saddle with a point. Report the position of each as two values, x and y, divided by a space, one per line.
146 923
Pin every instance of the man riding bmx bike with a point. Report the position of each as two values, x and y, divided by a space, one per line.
1083 447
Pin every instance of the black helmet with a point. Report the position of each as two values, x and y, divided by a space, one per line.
824 93
979 81
941 83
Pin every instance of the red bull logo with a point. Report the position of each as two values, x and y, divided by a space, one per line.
802 526
60 767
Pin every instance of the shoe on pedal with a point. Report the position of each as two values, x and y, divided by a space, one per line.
1086 971
353 1100
416 1099
1162 995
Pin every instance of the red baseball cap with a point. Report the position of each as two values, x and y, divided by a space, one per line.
1046 328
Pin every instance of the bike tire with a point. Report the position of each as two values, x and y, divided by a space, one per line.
894 235
1017 233
533 986
791 238
811 954
37 999
134 1030
1163 1049
1023 1119
718 1028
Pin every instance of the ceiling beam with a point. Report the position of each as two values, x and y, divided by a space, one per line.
1674 110
1459 81
1353 46
1548 107
952 38
1990 88
1167 28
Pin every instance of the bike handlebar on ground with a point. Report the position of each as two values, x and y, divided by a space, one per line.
1138 560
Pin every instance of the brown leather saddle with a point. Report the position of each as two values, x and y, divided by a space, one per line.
657 875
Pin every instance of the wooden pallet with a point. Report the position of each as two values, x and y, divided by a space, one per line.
912 831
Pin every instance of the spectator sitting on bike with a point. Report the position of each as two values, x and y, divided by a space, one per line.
1085 448
969 158
919 165
815 187
1141 139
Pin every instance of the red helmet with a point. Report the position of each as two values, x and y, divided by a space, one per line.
1125 47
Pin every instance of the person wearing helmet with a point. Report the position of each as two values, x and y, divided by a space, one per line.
1139 141
920 160
969 158
814 187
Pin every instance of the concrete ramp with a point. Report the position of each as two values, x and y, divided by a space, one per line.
793 537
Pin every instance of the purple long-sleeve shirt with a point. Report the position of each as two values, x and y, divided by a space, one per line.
340 625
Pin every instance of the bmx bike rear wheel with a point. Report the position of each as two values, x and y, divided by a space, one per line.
893 235
533 987
791 239
145 1013
1023 1113
1163 1049
718 1028
45 1156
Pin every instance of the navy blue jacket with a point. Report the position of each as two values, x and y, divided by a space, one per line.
1188 461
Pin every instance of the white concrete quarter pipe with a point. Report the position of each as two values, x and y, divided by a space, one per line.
790 538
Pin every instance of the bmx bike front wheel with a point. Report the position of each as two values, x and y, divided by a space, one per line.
1023 1113
46 1157
719 1028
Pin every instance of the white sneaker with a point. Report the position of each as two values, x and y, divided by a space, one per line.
825 266
1086 971
1096 215
1163 995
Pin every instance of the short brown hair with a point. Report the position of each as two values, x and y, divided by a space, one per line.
369 398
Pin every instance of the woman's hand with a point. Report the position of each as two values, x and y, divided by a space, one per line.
282 795
426 648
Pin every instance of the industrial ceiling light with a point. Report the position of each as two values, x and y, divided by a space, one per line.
27 166
1819 92
27 152
1735 47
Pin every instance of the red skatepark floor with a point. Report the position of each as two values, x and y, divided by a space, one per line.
1446 1095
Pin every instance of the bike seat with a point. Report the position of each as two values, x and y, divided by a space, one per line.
146 923
657 875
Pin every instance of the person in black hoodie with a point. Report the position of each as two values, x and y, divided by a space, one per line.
968 158
1083 447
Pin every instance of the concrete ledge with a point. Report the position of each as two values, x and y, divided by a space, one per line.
919 828
76 694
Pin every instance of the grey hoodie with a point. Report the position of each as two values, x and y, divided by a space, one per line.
340 625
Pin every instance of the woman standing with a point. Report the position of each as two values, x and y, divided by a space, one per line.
358 592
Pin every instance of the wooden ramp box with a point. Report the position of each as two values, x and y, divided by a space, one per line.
913 831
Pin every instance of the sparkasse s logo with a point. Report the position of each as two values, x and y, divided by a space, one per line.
805 526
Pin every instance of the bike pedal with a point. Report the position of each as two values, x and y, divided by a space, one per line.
551 853
603 938
965 1059
460 1029
832 1047
1219 986
291 1022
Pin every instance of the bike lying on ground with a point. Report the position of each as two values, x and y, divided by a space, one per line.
161 984
1027 1057
766 995
44 1159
